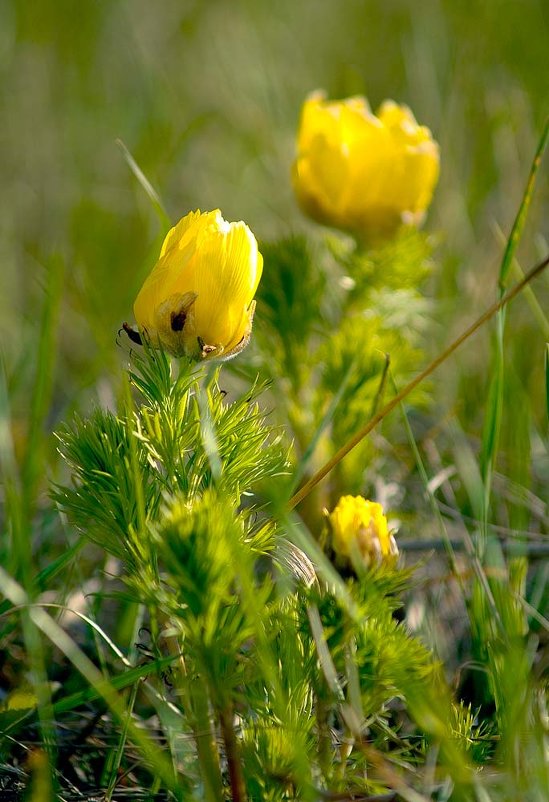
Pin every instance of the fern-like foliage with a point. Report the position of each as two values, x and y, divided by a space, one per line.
181 438
337 328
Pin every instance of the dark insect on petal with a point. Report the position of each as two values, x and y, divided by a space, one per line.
134 335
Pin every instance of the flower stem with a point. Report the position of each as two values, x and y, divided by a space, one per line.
194 696
206 748
442 357
238 789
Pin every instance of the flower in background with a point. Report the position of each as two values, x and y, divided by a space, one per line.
198 299
364 173
359 530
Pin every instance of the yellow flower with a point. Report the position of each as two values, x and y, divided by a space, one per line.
361 172
359 529
198 299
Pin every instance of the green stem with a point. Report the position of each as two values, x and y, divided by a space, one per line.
324 736
208 756
194 695
236 777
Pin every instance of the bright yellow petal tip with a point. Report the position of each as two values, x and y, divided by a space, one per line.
198 299
359 529
361 172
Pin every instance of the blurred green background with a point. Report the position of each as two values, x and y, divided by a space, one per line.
206 96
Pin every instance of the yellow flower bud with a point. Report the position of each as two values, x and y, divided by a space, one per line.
361 172
359 529
198 299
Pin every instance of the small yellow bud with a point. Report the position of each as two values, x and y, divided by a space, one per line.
198 299
359 529
361 172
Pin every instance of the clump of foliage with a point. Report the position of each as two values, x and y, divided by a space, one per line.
289 669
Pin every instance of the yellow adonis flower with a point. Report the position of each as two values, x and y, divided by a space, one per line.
361 172
198 299
359 529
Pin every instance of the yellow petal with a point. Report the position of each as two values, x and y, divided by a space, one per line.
197 299
224 294
362 172
360 527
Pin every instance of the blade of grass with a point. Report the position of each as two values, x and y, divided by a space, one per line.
118 683
467 541
116 759
431 496
520 219
33 463
11 479
492 421
494 412
324 656
82 617
547 378
537 310
492 425
45 576
518 274
152 194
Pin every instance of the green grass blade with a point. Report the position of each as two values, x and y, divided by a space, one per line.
430 494
547 378
518 225
119 682
494 407
11 481
152 194
44 577
33 466
116 759
57 566
492 424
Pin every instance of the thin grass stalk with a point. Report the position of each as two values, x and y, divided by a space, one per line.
529 294
547 378
446 541
490 437
117 759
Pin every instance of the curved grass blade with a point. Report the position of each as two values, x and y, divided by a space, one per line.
152 194
494 413
520 219
547 377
